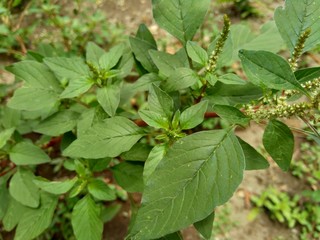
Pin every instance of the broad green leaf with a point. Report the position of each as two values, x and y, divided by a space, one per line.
111 58
295 18
139 152
129 176
279 142
68 67
232 79
172 236
55 187
160 102
205 226
268 39
11 118
109 138
76 87
198 173
180 78
33 99
86 221
13 215
144 34
5 135
254 160
267 69
144 82
101 191
109 98
4 198
22 188
234 95
180 18
36 221
59 123
140 46
100 164
193 116
154 119
26 153
126 63
93 53
156 155
165 62
85 121
197 53
36 75
109 212
307 74
231 114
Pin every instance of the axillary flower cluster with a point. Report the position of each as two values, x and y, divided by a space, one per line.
289 103
285 105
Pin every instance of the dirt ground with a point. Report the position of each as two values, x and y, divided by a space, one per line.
131 13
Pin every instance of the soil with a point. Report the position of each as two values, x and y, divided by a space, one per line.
131 13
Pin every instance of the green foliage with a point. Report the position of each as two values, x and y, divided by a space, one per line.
133 118
301 209
68 26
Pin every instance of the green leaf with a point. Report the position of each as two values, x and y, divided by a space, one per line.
11 118
172 236
205 226
160 102
59 123
144 34
93 53
111 58
101 191
76 87
33 99
156 155
109 212
144 82
23 189
254 160
198 173
268 39
4 198
36 75
231 114
139 152
140 46
86 221
232 79
267 69
129 176
197 53
36 221
68 67
295 18
180 78
109 98
165 62
279 142
109 138
307 74
55 187
193 116
5 135
14 213
180 18
85 121
26 153
154 119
